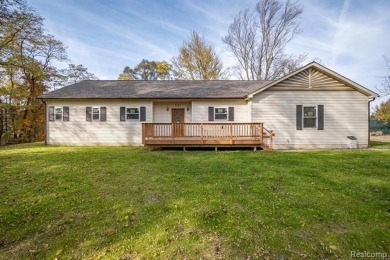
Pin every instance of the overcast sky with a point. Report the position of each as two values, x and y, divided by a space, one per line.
349 36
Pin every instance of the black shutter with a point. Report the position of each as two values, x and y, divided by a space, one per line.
142 114
122 115
103 113
66 114
320 117
88 114
51 113
211 113
231 113
299 117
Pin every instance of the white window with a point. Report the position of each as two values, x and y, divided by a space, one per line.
309 117
132 113
58 113
220 113
96 113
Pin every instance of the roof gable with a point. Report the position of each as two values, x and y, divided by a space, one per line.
315 77
310 79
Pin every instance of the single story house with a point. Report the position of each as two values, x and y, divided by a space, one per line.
311 108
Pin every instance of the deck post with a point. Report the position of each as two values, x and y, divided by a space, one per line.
271 135
201 132
231 133
172 131
261 131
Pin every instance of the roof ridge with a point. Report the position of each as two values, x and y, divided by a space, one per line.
177 80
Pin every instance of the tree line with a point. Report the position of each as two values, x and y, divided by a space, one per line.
28 55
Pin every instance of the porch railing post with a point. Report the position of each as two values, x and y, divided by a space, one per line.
173 131
201 132
261 133
231 133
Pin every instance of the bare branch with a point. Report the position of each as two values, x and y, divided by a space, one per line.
258 39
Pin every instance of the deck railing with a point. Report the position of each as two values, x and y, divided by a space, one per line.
200 133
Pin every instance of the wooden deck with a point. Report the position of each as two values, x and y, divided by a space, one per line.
205 134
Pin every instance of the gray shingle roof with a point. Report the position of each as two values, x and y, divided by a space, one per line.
162 89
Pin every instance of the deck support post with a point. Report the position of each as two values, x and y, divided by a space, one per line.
216 149
184 148
255 148
271 135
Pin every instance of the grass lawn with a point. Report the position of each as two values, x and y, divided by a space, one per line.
126 203
381 143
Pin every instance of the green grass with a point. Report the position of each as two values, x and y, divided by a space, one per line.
124 202
380 144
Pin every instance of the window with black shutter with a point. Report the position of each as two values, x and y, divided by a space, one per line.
65 113
88 114
103 113
58 113
142 111
211 113
310 117
51 113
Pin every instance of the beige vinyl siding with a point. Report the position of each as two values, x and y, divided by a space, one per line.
161 115
200 109
78 131
311 79
345 114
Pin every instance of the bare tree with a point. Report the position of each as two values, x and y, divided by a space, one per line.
241 40
386 83
258 39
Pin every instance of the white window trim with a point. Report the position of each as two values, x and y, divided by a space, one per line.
227 114
62 114
139 113
95 119
303 117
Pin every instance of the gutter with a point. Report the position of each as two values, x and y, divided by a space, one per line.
249 97
369 121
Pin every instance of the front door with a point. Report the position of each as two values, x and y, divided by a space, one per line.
178 121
